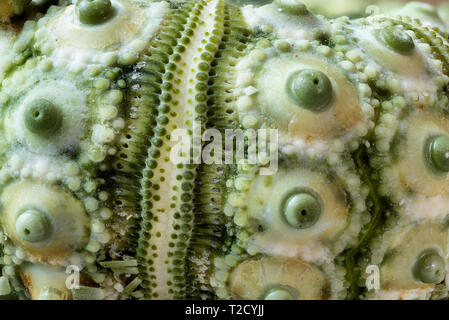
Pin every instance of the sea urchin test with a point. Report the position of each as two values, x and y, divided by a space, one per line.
92 207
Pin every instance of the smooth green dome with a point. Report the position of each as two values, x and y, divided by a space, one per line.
94 11
438 153
302 210
33 226
310 89
42 117
429 267
397 40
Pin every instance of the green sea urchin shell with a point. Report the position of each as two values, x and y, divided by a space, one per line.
95 94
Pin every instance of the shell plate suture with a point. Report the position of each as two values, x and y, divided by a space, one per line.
92 93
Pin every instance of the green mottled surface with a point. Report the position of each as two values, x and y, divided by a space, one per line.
92 95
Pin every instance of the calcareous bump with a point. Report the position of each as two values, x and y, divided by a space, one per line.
122 175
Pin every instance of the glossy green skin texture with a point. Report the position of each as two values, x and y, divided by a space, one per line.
131 102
